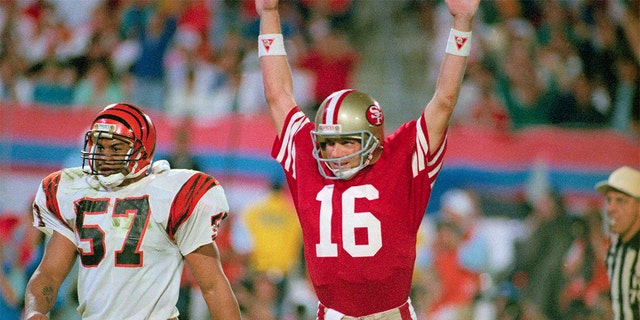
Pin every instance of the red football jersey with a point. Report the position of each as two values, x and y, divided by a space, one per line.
360 234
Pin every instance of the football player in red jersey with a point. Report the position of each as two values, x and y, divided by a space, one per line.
132 224
360 196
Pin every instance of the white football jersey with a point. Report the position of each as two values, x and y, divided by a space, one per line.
131 240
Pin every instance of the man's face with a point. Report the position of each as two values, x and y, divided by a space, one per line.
623 214
342 147
113 153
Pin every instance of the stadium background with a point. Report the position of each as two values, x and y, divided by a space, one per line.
396 41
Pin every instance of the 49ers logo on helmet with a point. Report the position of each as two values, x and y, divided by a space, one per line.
375 115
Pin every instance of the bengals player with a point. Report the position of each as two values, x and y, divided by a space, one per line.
132 223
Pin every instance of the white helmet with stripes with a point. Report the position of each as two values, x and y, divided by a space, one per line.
347 114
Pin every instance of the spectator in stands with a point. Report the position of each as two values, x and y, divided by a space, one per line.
604 44
98 87
456 287
55 84
479 102
196 17
204 84
7 79
276 241
461 207
557 58
579 109
10 297
625 118
630 17
584 266
181 156
8 14
154 31
9 68
332 60
336 13
101 37
525 95
35 31
459 253
541 254
230 86
260 298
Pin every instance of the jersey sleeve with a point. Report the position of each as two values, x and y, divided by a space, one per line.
427 158
284 149
47 216
199 226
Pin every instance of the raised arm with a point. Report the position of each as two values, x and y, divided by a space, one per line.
42 289
438 111
276 74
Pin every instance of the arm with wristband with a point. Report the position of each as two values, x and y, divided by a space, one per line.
440 108
276 73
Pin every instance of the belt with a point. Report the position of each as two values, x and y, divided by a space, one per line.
403 312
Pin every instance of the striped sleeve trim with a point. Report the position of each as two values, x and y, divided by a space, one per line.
50 186
187 199
420 159
286 154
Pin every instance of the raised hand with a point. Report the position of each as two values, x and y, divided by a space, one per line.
266 5
463 9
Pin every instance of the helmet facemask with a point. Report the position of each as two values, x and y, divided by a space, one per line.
94 160
368 143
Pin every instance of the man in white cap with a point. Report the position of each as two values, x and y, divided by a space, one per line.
622 194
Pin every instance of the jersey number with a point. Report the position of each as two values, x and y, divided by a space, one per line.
351 220
135 210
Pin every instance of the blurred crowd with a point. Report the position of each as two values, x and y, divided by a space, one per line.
567 63
564 62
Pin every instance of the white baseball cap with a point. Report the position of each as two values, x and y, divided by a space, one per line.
624 179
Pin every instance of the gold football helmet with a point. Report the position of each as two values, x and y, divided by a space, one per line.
347 114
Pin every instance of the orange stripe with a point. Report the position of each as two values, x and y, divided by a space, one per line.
50 186
186 200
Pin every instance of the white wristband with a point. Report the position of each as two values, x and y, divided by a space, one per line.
459 43
271 44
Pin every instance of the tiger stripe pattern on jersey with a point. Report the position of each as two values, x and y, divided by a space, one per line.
186 200
50 186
